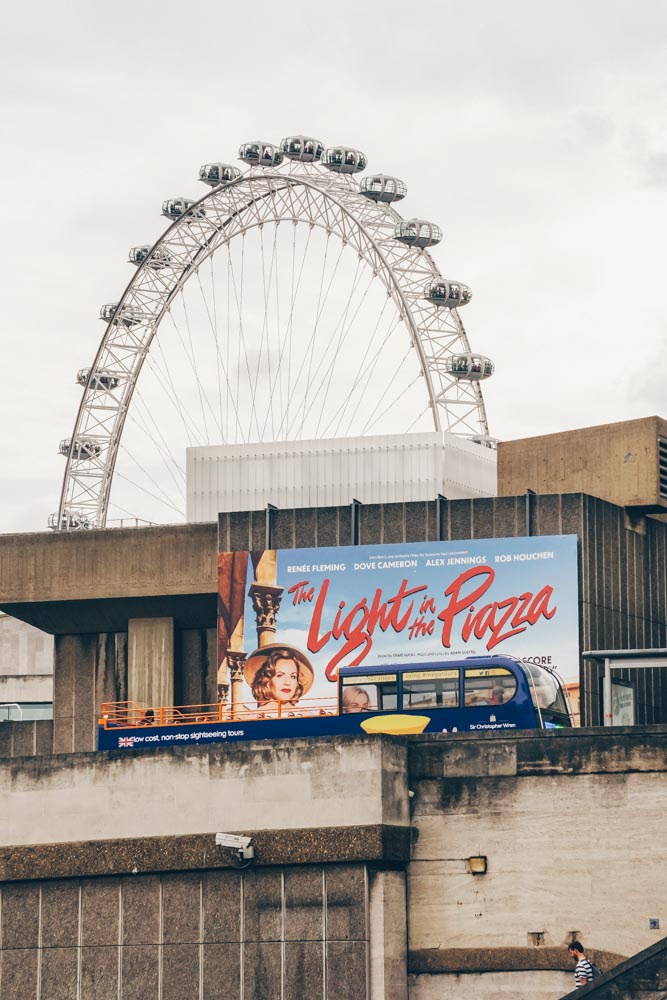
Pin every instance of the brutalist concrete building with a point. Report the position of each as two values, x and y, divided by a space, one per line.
362 887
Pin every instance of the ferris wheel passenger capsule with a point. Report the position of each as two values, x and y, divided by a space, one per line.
69 520
380 187
102 378
486 439
127 315
417 233
218 173
156 259
260 154
176 208
343 160
82 448
302 147
469 367
449 293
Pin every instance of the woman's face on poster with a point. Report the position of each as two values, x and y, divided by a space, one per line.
285 680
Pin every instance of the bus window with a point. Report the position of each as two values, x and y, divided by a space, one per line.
430 689
490 686
369 693
545 690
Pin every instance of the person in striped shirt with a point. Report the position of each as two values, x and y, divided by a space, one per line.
583 970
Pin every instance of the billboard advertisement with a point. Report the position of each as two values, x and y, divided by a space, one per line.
380 639
372 606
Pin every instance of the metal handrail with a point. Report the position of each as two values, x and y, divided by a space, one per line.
116 714
12 704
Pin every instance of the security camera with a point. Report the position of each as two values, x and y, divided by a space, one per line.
241 845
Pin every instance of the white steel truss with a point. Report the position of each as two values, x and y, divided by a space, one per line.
304 194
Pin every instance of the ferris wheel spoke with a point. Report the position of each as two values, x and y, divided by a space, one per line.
371 423
160 495
162 375
345 327
193 362
372 419
284 342
220 363
241 344
328 355
308 352
149 493
144 421
265 337
414 423
312 340
190 354
213 323
364 377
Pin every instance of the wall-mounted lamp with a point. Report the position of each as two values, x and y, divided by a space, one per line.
477 865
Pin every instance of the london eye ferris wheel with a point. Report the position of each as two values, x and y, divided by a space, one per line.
291 302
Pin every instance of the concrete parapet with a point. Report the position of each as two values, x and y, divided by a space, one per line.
308 784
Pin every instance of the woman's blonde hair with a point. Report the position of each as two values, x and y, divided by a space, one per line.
354 690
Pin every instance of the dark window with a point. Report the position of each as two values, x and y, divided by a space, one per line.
489 686
424 689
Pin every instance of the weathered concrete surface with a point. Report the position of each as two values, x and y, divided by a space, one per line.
572 825
26 662
379 844
76 566
350 781
616 462
388 935
495 985
94 581
26 739
293 933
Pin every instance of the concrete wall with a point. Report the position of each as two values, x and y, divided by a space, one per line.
574 836
309 784
292 933
89 565
26 662
616 462
571 824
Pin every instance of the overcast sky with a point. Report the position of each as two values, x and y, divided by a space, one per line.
534 133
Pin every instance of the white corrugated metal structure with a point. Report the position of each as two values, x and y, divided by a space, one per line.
330 472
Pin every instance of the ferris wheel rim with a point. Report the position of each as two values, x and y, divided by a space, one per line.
337 191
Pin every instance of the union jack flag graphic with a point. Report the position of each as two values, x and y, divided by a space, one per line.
126 741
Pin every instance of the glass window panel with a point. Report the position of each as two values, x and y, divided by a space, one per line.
494 686
377 693
433 690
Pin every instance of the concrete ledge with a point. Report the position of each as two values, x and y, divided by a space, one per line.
304 783
529 753
475 960
380 844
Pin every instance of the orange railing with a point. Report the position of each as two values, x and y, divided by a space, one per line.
122 714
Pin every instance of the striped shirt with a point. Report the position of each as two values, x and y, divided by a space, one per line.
583 973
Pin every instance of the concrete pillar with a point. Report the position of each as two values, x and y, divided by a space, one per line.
150 661
388 936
